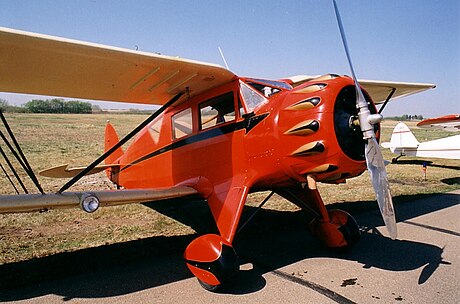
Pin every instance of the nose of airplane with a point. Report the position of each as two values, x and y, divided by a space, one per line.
346 125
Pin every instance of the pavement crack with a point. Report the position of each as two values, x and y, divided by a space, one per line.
336 297
314 286
432 228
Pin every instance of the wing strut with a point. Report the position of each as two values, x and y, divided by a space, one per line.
19 155
14 172
387 100
9 178
120 143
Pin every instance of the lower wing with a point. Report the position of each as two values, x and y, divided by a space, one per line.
89 201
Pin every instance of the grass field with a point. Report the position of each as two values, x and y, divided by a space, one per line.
50 140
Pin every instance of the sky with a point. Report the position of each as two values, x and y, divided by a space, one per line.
392 40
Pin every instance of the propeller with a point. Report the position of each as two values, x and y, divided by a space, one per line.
374 158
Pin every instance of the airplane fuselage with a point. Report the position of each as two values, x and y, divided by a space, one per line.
246 136
281 140
404 143
448 147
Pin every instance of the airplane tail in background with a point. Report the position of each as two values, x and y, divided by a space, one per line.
404 143
402 138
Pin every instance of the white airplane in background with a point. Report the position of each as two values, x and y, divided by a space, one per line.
404 143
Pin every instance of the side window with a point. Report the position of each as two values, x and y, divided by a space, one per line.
182 123
154 129
217 110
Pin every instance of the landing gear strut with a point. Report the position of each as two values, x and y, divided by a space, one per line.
394 160
336 229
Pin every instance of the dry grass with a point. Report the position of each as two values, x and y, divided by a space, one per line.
50 140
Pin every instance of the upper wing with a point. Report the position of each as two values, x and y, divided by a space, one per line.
378 90
447 122
46 65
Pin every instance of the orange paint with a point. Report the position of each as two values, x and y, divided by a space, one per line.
247 150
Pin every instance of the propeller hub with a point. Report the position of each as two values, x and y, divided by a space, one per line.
374 119
347 123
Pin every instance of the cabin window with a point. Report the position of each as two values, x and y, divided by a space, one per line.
251 97
154 129
182 123
217 110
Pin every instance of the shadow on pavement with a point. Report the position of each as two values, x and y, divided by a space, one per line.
272 240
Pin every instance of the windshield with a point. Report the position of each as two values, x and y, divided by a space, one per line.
273 83
268 87
251 97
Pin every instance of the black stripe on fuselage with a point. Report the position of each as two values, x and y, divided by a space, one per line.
247 124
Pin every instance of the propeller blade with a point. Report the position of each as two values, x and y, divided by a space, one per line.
361 104
374 158
376 167
345 44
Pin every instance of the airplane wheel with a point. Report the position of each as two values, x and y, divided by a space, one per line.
212 260
208 287
341 232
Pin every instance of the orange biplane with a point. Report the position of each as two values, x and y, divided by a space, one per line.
216 135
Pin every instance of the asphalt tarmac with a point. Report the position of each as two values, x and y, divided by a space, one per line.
280 263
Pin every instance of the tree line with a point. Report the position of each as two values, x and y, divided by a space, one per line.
55 105
406 117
